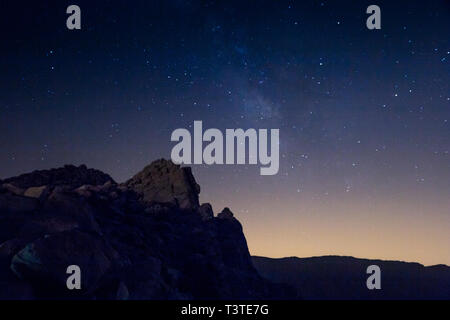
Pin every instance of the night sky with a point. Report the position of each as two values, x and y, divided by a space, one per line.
364 116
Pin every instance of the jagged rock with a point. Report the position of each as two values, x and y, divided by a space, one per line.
226 214
45 261
37 192
68 175
71 209
107 186
163 181
13 189
87 190
84 192
206 211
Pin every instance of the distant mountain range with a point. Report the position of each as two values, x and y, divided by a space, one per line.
339 277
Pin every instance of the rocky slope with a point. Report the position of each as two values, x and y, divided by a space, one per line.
148 238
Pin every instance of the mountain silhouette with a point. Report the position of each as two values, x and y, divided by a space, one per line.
339 277
148 238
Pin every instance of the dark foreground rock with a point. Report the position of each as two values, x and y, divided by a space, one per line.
146 239
164 182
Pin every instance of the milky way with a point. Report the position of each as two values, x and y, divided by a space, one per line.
363 114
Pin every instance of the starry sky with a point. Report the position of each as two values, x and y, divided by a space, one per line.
363 114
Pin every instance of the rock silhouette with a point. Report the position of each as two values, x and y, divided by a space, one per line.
164 182
148 238
69 175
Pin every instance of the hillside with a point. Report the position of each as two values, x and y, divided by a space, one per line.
338 277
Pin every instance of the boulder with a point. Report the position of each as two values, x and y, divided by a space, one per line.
44 262
67 175
37 192
206 211
88 190
164 182
12 188
69 208
84 191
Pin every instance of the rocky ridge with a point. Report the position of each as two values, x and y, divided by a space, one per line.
148 238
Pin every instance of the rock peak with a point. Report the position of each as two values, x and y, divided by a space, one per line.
165 182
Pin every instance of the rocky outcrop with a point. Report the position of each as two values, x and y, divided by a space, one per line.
164 182
344 278
12 188
226 214
36 192
206 211
44 262
69 175
146 239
